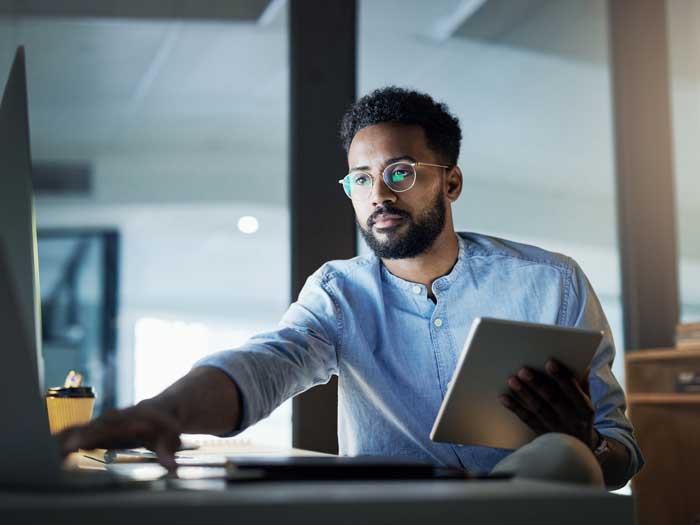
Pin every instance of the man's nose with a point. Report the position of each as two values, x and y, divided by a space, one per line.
381 192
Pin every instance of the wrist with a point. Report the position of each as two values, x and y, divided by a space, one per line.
601 448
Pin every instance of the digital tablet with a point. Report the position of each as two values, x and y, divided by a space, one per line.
471 413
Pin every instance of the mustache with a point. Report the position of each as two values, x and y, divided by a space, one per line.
388 210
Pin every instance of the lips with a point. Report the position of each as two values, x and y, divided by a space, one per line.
387 220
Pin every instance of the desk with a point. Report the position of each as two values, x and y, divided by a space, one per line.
405 502
335 503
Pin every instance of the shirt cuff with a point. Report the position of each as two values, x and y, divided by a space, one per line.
636 461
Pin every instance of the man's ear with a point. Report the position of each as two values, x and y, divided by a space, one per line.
453 183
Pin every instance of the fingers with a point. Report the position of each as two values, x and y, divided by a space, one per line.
114 429
132 427
166 443
571 388
524 414
549 393
68 440
527 393
166 455
551 402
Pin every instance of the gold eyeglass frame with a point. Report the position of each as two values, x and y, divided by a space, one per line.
413 164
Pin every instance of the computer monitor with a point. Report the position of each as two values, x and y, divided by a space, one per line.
28 454
17 223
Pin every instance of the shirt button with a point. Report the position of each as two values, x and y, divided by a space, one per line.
417 289
438 322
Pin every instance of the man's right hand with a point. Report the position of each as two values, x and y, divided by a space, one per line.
205 401
142 425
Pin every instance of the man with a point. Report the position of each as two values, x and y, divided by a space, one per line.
392 324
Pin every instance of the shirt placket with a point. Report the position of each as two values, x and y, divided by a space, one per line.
439 333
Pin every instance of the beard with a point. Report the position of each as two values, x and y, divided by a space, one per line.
417 239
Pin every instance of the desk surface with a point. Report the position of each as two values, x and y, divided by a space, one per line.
337 503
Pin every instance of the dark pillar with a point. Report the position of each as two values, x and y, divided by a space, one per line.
322 86
640 68
110 284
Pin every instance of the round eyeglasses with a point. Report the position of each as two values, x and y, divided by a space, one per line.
398 176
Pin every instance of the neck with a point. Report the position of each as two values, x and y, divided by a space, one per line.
437 261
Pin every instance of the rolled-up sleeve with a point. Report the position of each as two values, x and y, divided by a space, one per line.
584 311
271 367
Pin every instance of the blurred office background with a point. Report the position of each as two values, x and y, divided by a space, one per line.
172 135
171 139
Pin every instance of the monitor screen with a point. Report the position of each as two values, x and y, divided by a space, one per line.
17 223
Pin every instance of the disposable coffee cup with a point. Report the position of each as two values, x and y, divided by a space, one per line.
69 406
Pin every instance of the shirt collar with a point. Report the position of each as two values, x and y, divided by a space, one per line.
441 282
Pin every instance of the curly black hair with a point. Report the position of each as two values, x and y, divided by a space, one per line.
404 106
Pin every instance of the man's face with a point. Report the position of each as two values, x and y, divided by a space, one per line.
398 225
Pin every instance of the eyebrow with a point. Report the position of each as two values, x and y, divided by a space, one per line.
389 161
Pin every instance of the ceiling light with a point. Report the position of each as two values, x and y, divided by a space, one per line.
248 224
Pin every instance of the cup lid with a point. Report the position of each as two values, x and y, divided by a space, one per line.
79 391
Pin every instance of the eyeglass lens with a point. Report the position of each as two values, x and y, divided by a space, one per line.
398 177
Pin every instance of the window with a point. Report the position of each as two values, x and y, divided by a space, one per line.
179 130
683 19
165 350
531 87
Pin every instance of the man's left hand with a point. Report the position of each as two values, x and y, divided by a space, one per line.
552 402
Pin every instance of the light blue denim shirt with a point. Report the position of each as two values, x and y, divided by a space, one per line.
381 335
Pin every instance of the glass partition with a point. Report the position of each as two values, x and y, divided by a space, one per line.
530 84
173 134
683 18
78 285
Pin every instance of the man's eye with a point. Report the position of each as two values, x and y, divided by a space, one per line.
361 180
399 176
